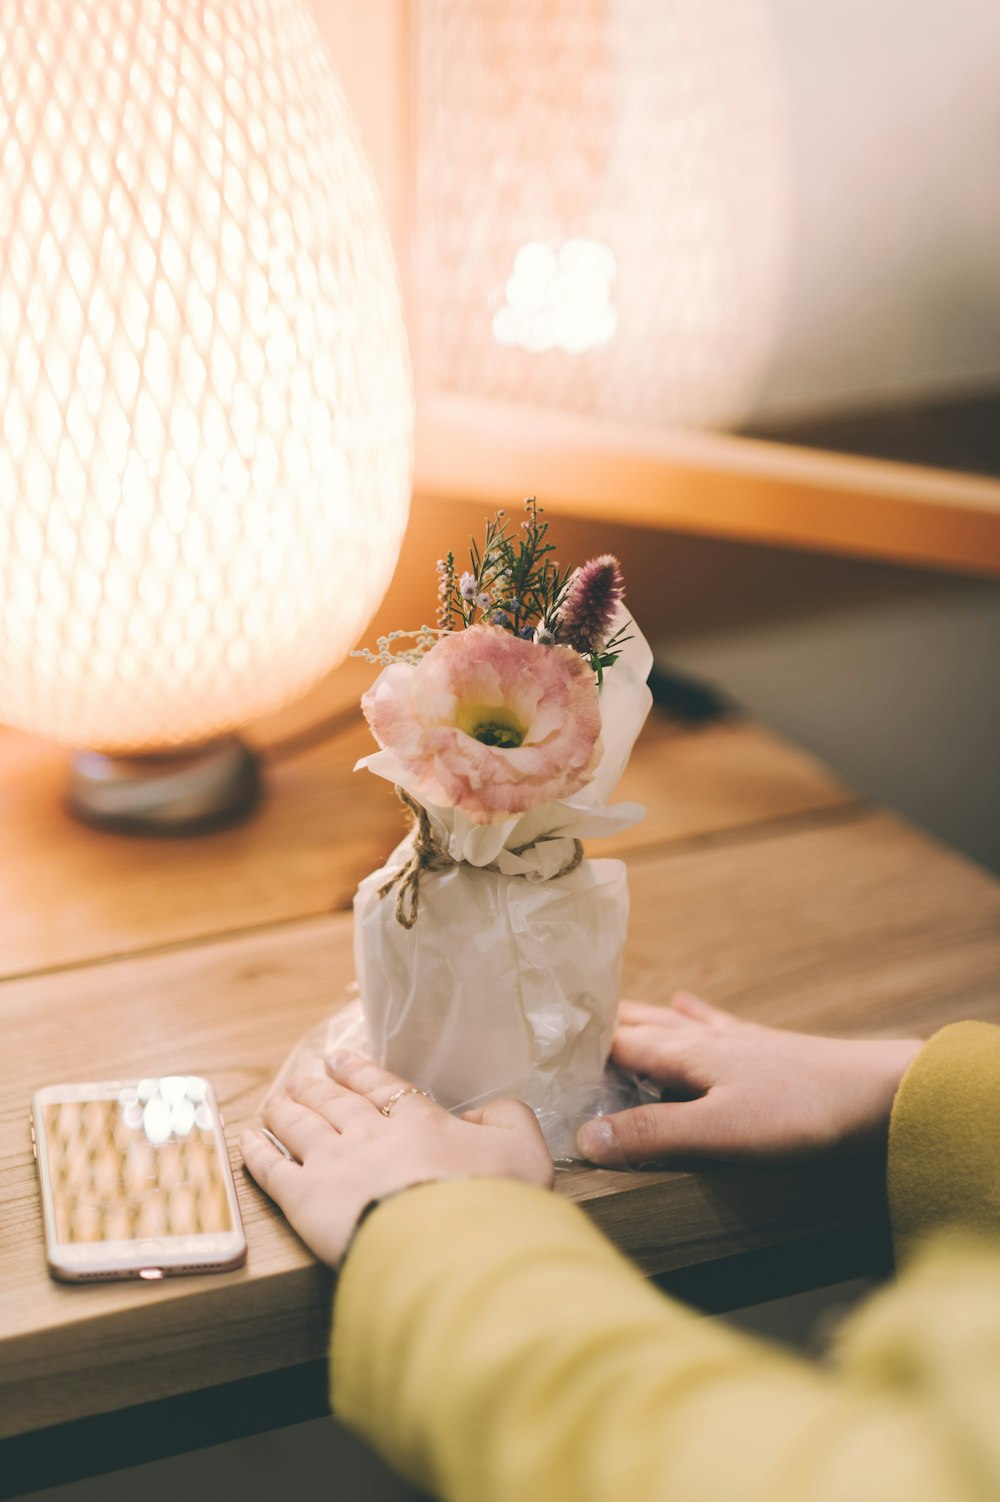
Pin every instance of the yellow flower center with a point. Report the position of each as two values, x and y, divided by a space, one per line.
493 725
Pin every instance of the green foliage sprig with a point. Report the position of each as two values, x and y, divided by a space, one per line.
515 583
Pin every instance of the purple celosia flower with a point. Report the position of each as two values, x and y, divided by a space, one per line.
593 597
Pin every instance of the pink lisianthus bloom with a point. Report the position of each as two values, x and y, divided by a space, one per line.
489 723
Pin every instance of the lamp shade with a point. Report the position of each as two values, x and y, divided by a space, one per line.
602 204
204 384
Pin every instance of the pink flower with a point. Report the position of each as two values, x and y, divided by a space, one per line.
489 723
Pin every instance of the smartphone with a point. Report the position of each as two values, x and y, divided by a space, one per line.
135 1180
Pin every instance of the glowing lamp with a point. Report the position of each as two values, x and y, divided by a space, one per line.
204 386
602 205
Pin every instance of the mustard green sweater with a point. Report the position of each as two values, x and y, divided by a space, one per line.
495 1348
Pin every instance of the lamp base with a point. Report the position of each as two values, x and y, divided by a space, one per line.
187 791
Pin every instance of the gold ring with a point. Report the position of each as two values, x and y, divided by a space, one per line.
409 1090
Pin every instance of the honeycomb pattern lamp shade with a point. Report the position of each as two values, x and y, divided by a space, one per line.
601 204
204 383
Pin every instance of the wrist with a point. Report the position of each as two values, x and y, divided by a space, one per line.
900 1054
369 1208
891 1058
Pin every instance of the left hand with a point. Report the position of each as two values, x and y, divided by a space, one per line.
747 1091
349 1153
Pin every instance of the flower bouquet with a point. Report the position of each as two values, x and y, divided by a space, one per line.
488 947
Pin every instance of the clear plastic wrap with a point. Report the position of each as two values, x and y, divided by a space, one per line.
560 1118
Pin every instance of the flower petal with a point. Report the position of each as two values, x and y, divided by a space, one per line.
416 713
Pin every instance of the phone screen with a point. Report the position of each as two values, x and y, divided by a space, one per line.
144 1162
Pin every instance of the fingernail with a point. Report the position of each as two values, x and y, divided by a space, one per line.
339 1058
596 1139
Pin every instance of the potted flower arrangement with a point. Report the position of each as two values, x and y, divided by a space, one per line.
488 948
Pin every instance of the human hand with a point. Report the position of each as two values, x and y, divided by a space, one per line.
348 1153
752 1091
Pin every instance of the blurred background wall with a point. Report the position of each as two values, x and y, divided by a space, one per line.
893 111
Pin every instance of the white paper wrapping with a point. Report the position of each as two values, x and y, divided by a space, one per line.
502 987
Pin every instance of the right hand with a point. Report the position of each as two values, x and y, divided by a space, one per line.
752 1091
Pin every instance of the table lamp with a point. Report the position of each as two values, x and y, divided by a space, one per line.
205 397
601 205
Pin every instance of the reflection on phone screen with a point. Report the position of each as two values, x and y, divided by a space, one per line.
143 1163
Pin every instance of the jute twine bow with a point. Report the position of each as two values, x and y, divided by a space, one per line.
428 855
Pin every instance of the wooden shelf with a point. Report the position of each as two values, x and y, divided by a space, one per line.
708 483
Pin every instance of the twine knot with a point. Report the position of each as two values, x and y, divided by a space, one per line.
428 854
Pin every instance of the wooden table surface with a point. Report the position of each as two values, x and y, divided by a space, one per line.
756 878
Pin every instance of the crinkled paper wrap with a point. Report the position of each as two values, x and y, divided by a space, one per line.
502 987
507 983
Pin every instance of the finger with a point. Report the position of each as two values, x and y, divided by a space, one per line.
374 1083
637 1013
299 1128
666 1056
335 1104
276 1174
648 1133
528 1146
512 1114
692 1006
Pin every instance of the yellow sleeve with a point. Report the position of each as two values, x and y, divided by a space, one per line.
495 1348
944 1137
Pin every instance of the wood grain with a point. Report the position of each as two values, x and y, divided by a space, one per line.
852 923
69 894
